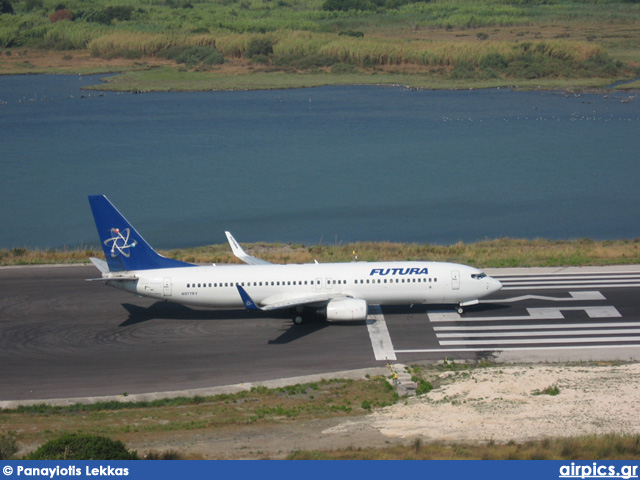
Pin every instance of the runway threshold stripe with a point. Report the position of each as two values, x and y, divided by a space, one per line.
621 331
568 282
534 314
535 327
379 335
519 278
556 286
502 349
541 341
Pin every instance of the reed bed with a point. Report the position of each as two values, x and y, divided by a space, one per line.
381 51
364 52
145 43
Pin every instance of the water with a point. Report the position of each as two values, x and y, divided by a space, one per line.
332 164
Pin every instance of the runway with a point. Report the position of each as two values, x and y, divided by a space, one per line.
63 337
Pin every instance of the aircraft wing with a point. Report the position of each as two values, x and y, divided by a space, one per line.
279 301
241 254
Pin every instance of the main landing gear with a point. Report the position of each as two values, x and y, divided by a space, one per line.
460 310
298 318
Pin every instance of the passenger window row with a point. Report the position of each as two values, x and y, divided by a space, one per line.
263 284
307 282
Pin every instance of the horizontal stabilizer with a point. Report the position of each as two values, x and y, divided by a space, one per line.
100 264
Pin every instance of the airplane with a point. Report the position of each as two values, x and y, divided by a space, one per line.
335 291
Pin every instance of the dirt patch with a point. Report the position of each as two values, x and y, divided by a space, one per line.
77 61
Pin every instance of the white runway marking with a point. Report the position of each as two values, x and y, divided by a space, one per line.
379 335
503 349
617 331
536 327
560 281
540 341
550 313
555 286
574 297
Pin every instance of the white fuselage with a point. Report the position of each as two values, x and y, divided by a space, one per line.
378 283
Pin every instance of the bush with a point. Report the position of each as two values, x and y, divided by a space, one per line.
601 65
494 61
423 387
31 5
5 6
343 68
106 15
82 446
8 446
259 46
541 66
552 390
192 56
346 5
352 33
463 71
59 15
305 62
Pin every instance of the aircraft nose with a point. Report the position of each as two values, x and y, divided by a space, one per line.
494 285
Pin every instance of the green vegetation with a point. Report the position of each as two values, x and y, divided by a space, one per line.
78 446
604 447
493 42
504 252
127 421
301 400
551 390
8 445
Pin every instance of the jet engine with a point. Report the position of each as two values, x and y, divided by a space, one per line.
346 309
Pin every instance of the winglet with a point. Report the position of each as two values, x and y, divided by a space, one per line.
249 304
239 252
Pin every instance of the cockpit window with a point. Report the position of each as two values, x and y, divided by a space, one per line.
478 276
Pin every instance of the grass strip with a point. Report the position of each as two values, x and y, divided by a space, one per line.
504 252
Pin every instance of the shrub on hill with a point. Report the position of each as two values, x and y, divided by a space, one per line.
193 55
5 6
59 15
82 446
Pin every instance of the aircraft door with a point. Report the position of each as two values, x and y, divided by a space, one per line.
455 280
166 287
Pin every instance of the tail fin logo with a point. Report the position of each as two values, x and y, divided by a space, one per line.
120 241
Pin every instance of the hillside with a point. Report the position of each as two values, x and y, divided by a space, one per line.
232 44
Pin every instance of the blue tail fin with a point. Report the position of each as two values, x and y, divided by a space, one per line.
124 248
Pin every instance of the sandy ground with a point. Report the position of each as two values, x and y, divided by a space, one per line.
497 403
